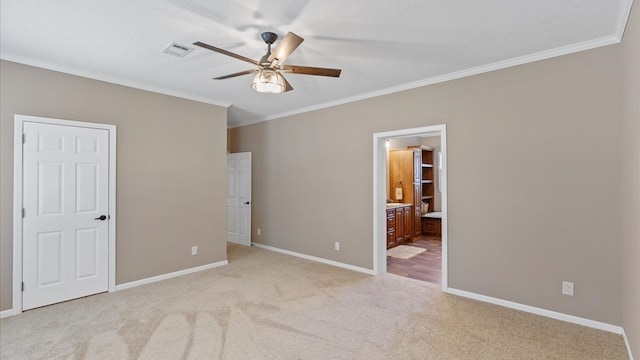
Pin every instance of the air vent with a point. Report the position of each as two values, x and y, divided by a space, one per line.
177 50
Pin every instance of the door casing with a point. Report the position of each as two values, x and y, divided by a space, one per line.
19 120
379 195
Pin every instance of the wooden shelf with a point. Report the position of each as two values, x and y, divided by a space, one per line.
427 181
427 197
427 165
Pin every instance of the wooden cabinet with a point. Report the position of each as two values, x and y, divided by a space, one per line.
391 228
427 187
399 225
431 226
403 175
411 170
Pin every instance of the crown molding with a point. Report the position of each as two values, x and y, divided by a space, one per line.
107 78
542 55
623 18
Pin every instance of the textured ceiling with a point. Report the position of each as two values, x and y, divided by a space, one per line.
381 46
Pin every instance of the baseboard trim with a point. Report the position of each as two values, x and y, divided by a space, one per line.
170 275
6 313
539 311
316 259
626 344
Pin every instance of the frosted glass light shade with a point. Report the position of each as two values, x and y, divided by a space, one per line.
268 81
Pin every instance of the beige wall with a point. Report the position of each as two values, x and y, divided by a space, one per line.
630 184
533 194
171 172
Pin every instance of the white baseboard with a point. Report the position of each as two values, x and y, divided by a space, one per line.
170 275
538 311
627 345
6 313
316 259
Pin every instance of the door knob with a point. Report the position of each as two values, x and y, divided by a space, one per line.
101 217
246 203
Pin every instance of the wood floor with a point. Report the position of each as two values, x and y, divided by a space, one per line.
426 266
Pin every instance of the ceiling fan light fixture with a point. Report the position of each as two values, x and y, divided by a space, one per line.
269 82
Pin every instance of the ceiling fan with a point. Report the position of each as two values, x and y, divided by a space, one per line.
268 77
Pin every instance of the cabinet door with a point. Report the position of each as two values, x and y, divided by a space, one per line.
391 239
408 229
391 226
417 202
399 225
391 215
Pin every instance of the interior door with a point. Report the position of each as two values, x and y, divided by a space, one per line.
65 193
239 198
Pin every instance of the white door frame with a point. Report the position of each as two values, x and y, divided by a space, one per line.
17 199
380 191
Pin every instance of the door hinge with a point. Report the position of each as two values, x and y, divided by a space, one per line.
23 286
23 212
24 138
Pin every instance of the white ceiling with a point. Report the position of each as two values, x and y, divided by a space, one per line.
381 46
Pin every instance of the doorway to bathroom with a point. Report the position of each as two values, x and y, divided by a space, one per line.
410 204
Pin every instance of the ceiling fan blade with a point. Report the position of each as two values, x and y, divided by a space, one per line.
285 48
225 52
246 72
288 86
307 70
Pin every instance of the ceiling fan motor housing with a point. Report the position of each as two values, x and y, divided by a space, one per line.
269 37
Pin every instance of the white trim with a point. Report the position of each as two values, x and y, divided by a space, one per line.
542 55
539 311
108 78
6 313
169 275
627 345
16 300
623 18
112 209
379 196
19 120
316 259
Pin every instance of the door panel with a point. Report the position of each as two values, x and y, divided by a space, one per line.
49 258
65 187
87 188
86 253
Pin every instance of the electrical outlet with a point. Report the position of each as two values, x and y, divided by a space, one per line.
259 231
194 250
567 288
337 246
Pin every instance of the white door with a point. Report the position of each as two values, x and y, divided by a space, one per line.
65 193
239 198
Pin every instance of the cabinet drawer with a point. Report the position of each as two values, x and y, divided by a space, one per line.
391 239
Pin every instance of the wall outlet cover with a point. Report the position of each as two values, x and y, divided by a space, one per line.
567 288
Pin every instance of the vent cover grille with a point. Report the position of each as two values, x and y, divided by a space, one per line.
177 50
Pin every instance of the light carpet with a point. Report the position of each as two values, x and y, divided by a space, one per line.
266 305
405 252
